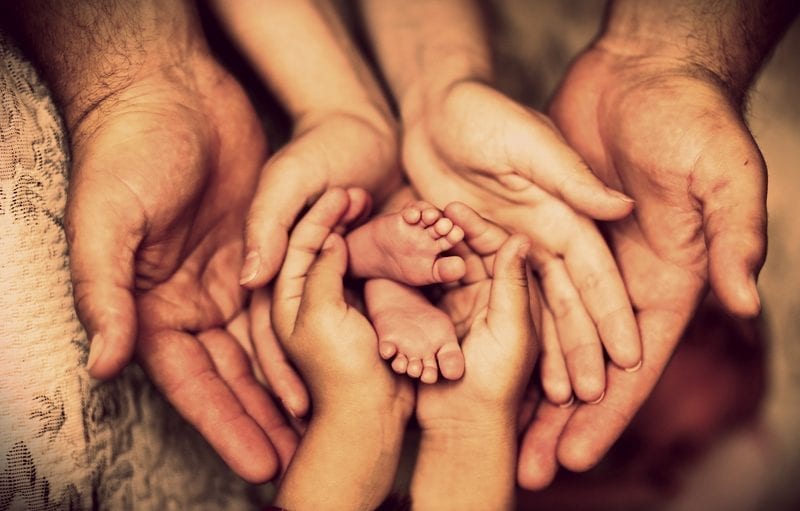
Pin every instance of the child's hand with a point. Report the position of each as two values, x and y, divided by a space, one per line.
331 343
469 427
473 144
492 313
350 451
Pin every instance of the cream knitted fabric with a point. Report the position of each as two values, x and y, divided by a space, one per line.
66 441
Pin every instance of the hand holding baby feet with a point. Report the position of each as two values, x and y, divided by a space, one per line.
406 246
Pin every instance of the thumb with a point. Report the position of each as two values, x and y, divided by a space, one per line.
102 243
733 198
509 298
282 193
553 165
324 284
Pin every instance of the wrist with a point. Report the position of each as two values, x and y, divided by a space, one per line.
389 409
430 89
89 51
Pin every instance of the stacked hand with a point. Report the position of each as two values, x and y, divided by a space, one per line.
673 139
163 175
472 144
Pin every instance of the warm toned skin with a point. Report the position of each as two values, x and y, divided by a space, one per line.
656 108
165 151
343 135
468 446
350 450
464 140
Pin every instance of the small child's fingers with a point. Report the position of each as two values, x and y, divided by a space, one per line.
359 209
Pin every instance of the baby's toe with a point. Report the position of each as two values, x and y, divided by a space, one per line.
430 371
451 361
443 226
430 216
400 364
414 367
387 349
411 215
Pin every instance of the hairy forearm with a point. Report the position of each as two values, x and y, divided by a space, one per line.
347 460
729 38
90 49
425 46
466 468
302 50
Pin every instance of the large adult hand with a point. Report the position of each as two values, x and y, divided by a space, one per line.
673 139
474 145
163 173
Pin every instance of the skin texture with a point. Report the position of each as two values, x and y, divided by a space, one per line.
351 448
656 120
343 135
468 442
464 140
165 155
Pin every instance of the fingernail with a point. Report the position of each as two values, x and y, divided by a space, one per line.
95 350
635 368
619 195
288 409
596 401
250 268
568 403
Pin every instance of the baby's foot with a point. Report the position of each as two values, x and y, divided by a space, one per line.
420 337
406 247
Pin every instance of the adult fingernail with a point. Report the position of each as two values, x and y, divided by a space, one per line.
250 267
619 195
95 350
635 368
568 403
597 401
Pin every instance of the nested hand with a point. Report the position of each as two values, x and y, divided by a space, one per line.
477 146
672 139
491 308
332 344
163 173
